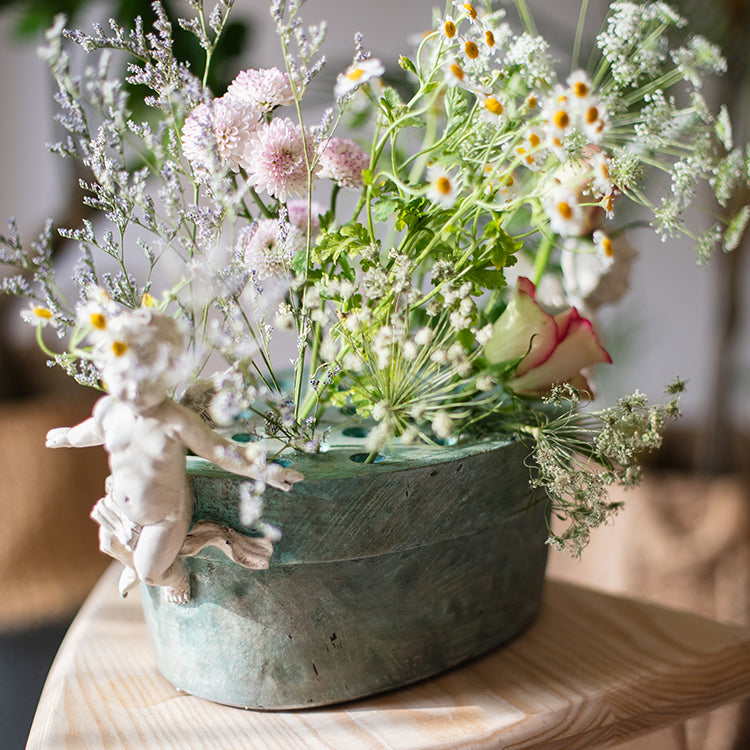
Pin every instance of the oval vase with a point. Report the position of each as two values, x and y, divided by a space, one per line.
386 573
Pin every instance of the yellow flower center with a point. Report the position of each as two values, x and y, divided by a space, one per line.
531 101
119 348
609 204
580 89
43 312
607 247
534 140
565 210
148 300
98 321
470 10
527 157
592 115
443 185
561 118
355 73
489 37
457 71
471 49
493 105
449 29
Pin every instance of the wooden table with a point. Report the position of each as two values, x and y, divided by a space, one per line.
593 671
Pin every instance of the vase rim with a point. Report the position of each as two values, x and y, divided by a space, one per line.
345 455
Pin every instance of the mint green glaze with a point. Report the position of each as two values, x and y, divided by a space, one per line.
385 574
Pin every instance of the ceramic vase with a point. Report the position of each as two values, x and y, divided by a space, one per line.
386 573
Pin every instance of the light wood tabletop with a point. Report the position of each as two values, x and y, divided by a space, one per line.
594 670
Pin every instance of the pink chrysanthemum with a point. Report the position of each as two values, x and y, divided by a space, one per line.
267 250
198 138
343 161
233 126
262 90
276 159
219 129
297 212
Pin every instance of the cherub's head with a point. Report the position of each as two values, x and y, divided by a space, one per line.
139 355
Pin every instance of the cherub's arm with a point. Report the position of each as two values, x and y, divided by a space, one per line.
205 442
82 435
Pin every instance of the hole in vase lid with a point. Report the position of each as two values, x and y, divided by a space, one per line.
243 437
355 432
361 458
450 440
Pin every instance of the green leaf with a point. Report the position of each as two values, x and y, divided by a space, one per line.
413 122
298 263
487 278
333 245
346 268
465 338
406 64
503 247
392 104
413 214
385 208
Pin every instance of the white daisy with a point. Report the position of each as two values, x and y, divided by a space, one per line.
39 316
565 214
356 75
442 188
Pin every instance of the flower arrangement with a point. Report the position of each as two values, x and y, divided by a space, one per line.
435 253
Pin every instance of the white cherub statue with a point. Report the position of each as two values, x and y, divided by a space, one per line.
146 514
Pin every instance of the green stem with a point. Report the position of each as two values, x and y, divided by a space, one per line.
264 209
335 190
542 258
373 455
526 17
579 34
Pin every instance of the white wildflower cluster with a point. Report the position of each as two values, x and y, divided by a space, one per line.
611 439
634 43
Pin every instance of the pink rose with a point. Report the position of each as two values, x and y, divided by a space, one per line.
556 347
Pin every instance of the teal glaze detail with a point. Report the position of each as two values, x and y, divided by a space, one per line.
385 574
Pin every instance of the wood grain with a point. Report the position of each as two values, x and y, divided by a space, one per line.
593 671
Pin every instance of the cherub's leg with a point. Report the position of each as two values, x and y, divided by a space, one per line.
156 561
110 544
128 581
117 535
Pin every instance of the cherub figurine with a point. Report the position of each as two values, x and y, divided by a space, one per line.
146 514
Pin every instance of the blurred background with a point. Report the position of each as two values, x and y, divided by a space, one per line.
684 538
